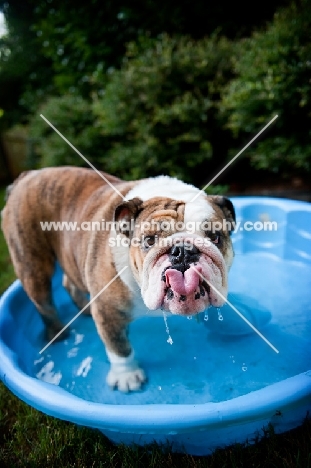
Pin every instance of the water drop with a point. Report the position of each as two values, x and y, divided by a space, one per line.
169 340
244 368
206 316
220 317
189 317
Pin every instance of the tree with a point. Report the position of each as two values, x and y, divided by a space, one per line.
25 75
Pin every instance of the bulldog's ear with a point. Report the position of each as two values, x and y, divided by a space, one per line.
227 208
125 213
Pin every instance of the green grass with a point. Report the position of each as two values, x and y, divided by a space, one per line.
7 275
29 438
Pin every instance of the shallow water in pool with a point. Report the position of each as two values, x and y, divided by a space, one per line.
204 363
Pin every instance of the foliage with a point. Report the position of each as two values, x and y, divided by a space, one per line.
7 275
153 106
273 77
82 38
73 117
159 111
157 114
54 47
24 74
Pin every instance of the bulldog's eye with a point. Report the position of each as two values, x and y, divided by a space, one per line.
214 237
149 241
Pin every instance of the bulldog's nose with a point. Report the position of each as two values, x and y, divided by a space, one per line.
184 254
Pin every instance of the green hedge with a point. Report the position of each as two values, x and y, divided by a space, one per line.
157 114
74 118
273 77
160 111
182 107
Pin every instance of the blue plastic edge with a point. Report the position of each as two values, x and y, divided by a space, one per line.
284 203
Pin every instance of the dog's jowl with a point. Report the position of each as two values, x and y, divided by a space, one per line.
177 251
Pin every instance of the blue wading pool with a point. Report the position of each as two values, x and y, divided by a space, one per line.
218 383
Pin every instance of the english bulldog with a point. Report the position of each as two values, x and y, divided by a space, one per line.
151 237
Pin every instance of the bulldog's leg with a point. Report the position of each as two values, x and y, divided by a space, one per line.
49 316
35 273
125 373
80 298
37 284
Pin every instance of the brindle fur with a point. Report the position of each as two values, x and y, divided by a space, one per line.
67 194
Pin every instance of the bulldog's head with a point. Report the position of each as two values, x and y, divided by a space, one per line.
179 252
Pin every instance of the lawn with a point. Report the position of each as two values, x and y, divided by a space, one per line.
29 438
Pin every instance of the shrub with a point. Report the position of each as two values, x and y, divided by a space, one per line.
73 117
157 114
273 77
159 111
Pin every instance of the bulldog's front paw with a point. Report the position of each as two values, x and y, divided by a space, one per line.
125 373
126 381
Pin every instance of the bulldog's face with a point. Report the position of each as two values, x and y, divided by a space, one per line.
179 253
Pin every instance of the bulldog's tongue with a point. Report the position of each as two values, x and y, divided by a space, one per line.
183 283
